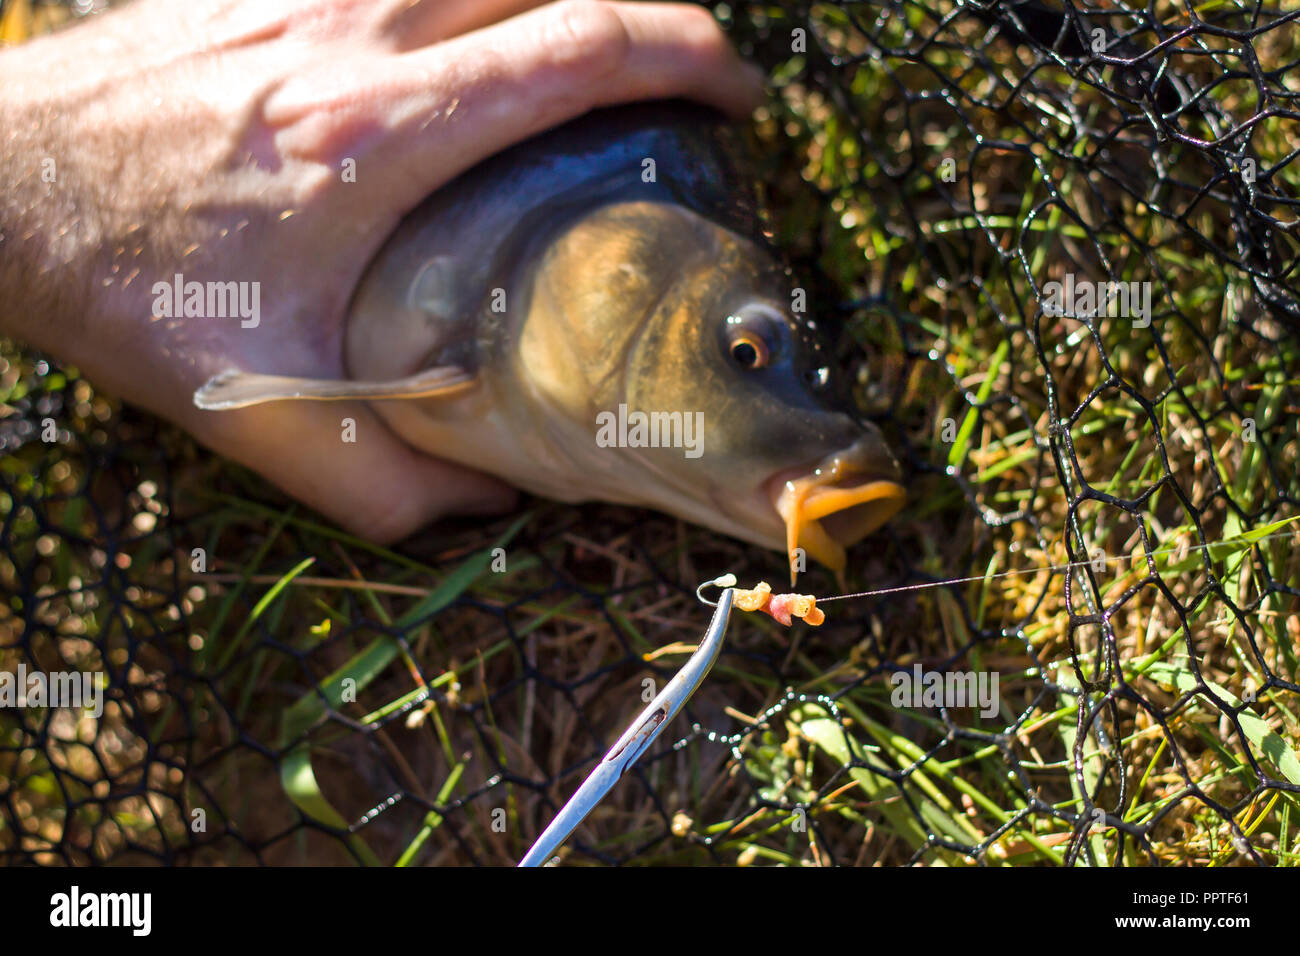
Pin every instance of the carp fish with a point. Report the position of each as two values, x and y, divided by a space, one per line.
615 263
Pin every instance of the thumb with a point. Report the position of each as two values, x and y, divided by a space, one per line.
341 459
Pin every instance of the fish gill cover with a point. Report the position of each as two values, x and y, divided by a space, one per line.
958 185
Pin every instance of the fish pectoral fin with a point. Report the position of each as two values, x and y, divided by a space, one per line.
235 389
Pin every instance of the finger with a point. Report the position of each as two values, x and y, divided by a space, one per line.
374 485
416 23
456 103
568 57
540 69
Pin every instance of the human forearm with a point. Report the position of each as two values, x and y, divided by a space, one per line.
44 245
86 223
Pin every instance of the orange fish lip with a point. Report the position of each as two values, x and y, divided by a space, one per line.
856 488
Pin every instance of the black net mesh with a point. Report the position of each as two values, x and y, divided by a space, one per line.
280 692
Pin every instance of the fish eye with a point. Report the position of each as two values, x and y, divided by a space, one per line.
753 335
749 351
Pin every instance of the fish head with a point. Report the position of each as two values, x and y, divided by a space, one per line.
780 459
720 401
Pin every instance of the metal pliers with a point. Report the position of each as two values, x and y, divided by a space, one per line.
643 731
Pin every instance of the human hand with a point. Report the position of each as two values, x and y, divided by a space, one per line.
211 139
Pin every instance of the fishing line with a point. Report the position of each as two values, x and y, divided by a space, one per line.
1091 562
729 580
641 733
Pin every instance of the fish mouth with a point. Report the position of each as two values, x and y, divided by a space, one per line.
837 502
